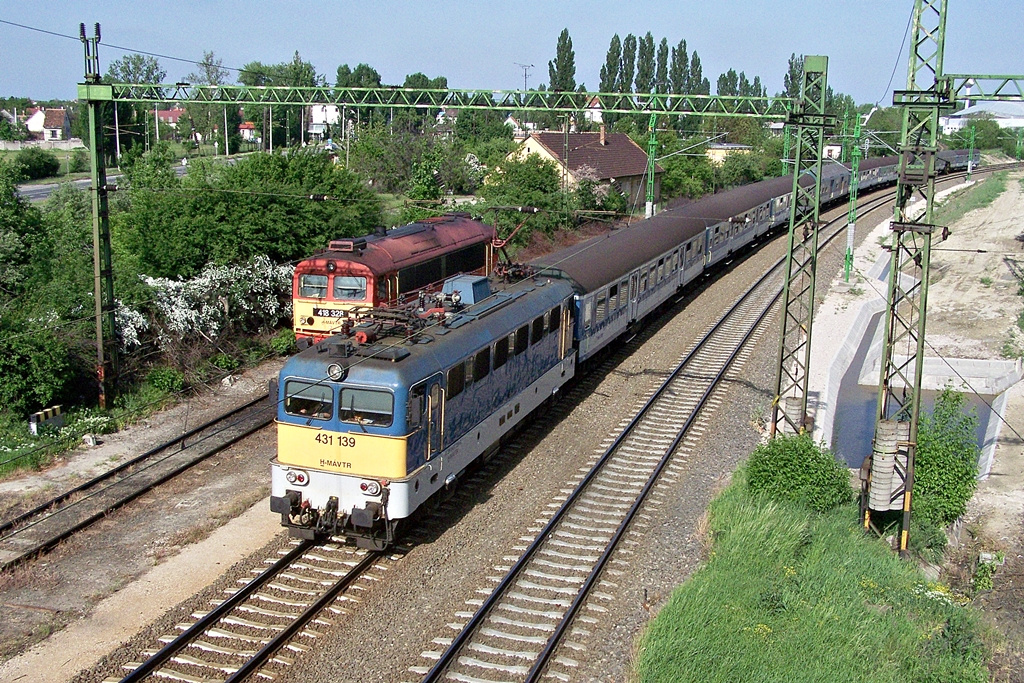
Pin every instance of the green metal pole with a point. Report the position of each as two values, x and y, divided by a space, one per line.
844 136
970 153
652 149
851 216
103 285
786 130
890 483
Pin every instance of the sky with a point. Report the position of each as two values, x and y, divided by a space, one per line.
482 45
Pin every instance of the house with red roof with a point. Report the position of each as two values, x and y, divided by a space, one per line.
50 124
609 158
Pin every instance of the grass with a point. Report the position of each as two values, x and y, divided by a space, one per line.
978 196
789 595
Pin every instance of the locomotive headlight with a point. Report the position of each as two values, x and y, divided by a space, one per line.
297 477
370 488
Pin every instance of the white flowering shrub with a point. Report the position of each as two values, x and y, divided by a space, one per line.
243 298
130 324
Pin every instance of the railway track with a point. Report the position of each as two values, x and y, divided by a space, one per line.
535 621
46 525
262 626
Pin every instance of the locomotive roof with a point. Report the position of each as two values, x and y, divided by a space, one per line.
408 244
437 346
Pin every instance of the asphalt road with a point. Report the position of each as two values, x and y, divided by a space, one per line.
38 193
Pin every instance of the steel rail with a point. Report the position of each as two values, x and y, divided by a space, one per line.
172 648
57 500
102 510
513 575
268 650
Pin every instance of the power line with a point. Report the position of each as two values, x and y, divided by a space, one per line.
77 39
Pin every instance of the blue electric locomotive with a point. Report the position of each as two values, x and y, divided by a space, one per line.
374 421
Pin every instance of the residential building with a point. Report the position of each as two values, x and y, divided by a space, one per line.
718 151
610 158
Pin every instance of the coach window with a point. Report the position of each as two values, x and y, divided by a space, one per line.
366 407
307 399
602 308
613 297
313 285
500 352
554 319
482 364
522 339
623 288
537 329
456 380
349 288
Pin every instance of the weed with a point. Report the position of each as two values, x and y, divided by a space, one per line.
986 281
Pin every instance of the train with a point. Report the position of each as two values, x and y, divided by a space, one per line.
391 410
382 269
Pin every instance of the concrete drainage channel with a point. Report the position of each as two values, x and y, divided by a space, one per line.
847 345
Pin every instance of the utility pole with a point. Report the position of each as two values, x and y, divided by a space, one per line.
970 153
526 72
103 278
851 216
652 149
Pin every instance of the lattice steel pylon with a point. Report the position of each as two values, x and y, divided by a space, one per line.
891 473
809 121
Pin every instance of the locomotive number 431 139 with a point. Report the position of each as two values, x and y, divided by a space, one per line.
342 440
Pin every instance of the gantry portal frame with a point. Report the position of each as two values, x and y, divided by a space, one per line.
804 113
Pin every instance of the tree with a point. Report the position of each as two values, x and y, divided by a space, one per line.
793 79
679 71
946 462
627 65
19 225
421 81
698 84
645 64
610 70
204 118
531 181
132 120
728 84
562 71
10 131
135 68
661 72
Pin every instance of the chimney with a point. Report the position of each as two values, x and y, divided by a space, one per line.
603 140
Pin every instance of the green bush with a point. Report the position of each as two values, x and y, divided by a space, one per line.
283 342
223 361
795 468
166 379
946 462
34 163
79 161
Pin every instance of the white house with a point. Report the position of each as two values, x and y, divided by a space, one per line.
323 117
